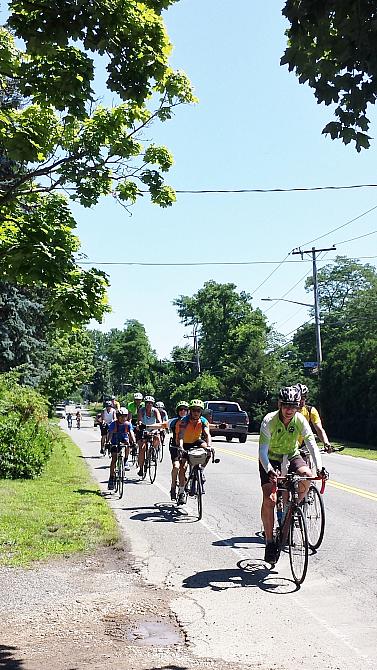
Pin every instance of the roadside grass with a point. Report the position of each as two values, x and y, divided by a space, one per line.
356 450
59 513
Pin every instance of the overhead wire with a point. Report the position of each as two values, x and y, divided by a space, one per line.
304 244
272 190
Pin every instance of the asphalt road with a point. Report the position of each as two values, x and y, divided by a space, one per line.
231 606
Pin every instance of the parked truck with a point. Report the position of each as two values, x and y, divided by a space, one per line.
227 419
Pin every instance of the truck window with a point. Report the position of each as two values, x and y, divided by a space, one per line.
223 407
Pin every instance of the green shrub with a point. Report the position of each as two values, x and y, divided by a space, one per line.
26 438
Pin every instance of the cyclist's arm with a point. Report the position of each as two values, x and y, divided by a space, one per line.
264 445
207 435
132 435
319 429
310 443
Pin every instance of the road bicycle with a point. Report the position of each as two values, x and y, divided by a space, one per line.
119 471
290 528
151 455
313 506
197 458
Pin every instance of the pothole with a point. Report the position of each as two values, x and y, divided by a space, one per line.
143 633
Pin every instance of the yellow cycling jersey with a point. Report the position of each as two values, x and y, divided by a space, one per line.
311 415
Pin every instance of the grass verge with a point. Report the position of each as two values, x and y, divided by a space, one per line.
59 513
357 450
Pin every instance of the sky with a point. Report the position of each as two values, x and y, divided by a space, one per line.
255 126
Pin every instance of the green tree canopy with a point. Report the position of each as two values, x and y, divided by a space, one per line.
333 48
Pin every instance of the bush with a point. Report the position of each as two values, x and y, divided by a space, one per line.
26 439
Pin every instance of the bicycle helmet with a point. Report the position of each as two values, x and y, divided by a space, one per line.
138 396
303 390
196 403
160 405
290 395
108 403
149 398
181 405
122 411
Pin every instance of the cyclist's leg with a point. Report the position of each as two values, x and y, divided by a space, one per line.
268 502
141 456
114 453
298 466
174 471
126 455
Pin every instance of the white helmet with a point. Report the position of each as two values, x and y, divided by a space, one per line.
149 398
122 410
160 405
138 396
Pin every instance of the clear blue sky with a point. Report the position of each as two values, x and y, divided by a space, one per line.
255 127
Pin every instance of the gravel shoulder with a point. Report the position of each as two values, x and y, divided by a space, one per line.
90 611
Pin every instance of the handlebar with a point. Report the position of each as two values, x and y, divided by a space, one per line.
330 449
291 476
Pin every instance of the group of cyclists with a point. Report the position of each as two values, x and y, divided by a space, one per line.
126 428
286 436
69 417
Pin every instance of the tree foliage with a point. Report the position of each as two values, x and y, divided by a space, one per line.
332 48
56 137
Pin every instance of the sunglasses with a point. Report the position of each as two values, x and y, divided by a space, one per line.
288 406
195 410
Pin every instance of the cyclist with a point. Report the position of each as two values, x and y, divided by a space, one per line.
164 418
121 434
115 404
69 420
78 418
311 414
178 465
279 437
193 432
134 406
108 416
150 419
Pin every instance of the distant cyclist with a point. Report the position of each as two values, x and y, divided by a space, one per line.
164 418
69 420
150 418
78 418
107 417
115 403
193 433
279 438
134 406
178 465
121 435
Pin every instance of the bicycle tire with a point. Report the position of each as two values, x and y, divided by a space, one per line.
120 475
314 511
162 448
133 455
199 492
298 546
152 465
146 462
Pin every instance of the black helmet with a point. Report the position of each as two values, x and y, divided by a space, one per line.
303 390
290 395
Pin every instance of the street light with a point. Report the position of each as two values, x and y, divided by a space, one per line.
317 323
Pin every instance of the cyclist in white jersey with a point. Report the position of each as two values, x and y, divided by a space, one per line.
108 416
149 417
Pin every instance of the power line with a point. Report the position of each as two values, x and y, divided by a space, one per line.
357 238
304 244
270 275
272 190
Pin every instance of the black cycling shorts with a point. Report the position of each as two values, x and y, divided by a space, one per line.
294 464
116 448
104 428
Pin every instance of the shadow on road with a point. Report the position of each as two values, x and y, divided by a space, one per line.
8 660
164 512
249 573
84 492
239 542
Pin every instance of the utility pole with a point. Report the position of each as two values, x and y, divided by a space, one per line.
196 345
313 251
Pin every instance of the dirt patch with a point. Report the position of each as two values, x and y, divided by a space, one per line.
90 612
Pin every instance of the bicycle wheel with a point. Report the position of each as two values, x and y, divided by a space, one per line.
120 475
152 465
162 447
298 546
133 454
198 483
314 511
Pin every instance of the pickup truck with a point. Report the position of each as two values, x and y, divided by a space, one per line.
227 419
